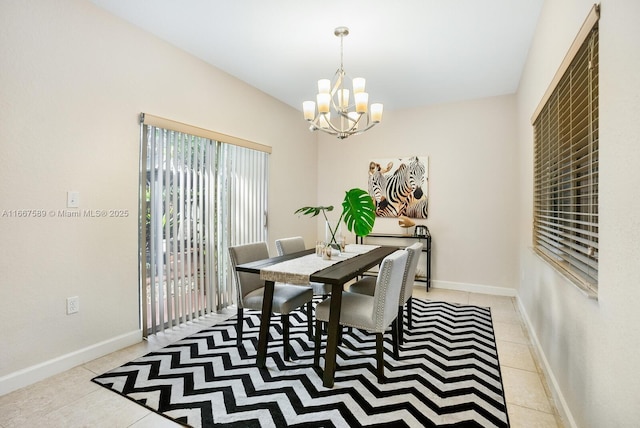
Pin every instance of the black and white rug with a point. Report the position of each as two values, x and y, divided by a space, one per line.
447 375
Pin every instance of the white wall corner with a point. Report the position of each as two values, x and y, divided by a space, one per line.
38 372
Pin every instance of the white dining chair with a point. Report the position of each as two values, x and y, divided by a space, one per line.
286 246
367 286
370 313
250 292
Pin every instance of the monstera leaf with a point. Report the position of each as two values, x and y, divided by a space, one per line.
359 212
313 211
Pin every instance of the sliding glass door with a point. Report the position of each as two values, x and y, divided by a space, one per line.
198 196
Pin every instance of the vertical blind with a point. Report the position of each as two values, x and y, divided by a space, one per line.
198 196
241 206
566 154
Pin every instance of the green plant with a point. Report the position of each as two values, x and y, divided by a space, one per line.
358 213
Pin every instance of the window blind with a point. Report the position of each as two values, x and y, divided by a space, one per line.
161 122
566 154
197 197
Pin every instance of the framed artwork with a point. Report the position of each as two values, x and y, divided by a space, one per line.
399 187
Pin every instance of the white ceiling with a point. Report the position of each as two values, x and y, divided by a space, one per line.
412 52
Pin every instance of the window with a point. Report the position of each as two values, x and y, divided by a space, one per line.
565 128
199 195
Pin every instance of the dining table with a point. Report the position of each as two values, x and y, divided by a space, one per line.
300 269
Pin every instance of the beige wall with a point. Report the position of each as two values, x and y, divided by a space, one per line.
590 348
472 185
73 80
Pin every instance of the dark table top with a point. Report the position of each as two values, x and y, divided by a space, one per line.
338 273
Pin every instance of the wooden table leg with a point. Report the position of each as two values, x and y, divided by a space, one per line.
332 336
267 305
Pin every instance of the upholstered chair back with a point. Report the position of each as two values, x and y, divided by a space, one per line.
388 288
413 256
289 245
247 282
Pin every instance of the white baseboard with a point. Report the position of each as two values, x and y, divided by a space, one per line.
38 372
475 288
561 404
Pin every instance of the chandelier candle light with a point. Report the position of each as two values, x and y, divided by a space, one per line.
352 118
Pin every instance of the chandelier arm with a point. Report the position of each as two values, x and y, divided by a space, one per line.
332 126
369 126
315 126
339 75
315 123
345 134
346 115
335 106
328 131
353 123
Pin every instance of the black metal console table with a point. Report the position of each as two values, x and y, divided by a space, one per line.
426 248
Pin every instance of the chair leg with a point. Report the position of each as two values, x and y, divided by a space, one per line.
379 357
239 324
316 350
410 311
394 338
310 320
400 324
285 336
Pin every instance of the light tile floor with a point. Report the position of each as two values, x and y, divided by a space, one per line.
529 401
71 400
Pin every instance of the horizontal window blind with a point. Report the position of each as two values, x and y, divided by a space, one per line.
566 169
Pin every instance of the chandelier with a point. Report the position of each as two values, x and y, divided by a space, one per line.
336 114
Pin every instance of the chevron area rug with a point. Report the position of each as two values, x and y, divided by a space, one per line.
447 375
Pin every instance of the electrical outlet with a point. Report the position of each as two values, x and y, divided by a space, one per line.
73 305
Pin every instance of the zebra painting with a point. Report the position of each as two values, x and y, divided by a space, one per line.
399 186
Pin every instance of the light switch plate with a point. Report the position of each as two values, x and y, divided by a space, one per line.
73 199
